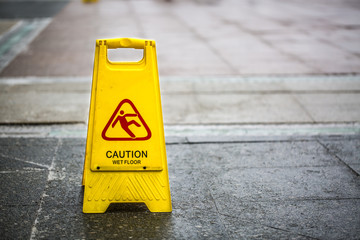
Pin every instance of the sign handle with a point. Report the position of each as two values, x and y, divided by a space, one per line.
124 43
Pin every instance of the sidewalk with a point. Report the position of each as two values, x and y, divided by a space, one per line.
266 189
195 100
203 37
261 105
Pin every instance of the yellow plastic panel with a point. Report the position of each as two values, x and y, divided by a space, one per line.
125 157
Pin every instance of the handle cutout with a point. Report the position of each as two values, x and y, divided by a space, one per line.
125 55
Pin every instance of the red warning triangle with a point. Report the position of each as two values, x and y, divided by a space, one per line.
126 124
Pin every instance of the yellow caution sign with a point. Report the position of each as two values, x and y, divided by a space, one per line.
125 160
89 1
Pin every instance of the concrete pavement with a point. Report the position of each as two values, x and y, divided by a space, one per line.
195 100
268 189
261 108
203 37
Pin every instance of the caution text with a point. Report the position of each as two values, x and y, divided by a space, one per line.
126 154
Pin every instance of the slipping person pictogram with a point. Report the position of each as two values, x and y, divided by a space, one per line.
122 118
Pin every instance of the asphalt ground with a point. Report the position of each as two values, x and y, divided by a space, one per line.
261 116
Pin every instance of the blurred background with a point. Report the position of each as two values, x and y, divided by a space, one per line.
195 37
220 61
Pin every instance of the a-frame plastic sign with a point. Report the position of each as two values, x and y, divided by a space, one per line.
125 160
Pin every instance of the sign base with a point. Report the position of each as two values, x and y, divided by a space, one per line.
149 188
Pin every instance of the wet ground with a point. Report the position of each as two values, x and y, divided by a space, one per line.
261 114
304 188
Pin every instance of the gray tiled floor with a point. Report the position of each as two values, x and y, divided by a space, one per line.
195 100
264 189
203 37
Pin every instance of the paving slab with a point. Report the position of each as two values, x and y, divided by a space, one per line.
339 37
318 84
239 229
62 105
199 38
217 156
59 102
202 109
13 218
355 167
332 108
272 184
133 225
195 100
270 189
21 154
23 188
346 152
307 219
